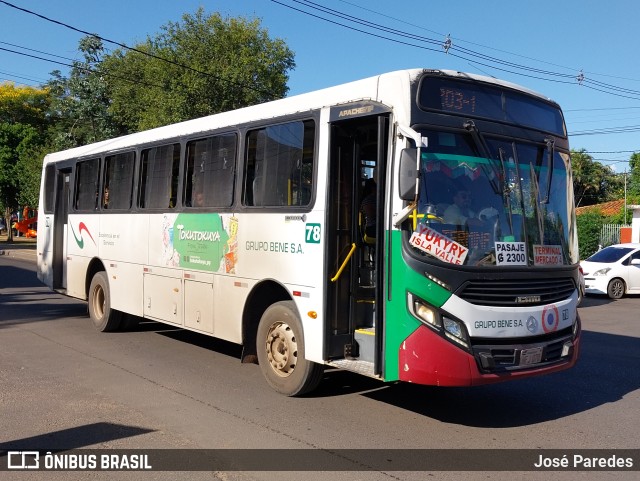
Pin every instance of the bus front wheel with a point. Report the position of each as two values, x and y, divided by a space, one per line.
280 346
104 318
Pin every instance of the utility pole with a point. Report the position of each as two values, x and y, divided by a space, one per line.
625 196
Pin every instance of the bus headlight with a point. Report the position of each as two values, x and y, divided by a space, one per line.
454 331
427 314
437 320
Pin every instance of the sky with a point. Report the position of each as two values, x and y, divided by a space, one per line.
584 54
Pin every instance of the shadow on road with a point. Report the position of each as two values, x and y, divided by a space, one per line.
606 371
77 437
595 300
24 299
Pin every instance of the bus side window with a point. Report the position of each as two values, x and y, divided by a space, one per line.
86 190
279 165
49 190
118 181
210 171
159 177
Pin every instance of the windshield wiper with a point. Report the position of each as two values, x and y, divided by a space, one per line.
536 192
510 188
506 189
470 127
551 152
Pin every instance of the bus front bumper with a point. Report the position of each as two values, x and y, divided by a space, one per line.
427 358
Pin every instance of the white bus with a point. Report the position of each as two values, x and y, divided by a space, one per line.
249 226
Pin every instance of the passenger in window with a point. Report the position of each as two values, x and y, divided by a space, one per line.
198 200
105 198
197 197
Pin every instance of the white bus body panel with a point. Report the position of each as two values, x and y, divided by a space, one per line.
44 248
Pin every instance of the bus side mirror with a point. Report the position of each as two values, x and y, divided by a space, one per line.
407 174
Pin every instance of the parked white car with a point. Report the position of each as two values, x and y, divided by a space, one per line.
581 285
614 271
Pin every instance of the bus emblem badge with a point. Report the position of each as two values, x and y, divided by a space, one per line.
527 299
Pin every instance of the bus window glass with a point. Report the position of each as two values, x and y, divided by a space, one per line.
279 168
210 171
159 177
481 202
86 189
49 188
118 181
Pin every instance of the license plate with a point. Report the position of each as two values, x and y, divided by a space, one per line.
530 356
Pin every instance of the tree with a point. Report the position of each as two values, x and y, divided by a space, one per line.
589 227
23 126
593 182
633 182
80 104
24 105
17 143
202 65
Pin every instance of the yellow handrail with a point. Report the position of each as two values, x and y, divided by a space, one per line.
344 264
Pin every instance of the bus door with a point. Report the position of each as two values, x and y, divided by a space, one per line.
355 227
61 216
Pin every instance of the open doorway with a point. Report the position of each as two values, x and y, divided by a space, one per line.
356 231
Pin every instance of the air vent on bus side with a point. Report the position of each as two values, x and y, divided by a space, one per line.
517 292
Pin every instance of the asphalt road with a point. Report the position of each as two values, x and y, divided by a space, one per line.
63 385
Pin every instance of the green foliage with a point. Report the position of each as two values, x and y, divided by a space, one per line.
24 105
589 226
23 124
200 66
29 171
80 103
633 180
19 172
213 64
593 183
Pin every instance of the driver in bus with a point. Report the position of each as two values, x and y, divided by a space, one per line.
460 213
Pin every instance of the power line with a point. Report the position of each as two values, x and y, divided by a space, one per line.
602 108
611 130
469 55
612 151
422 27
37 51
14 75
83 68
356 29
268 95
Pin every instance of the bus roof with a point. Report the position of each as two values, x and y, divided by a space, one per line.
365 89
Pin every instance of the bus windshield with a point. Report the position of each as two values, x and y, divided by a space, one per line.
509 206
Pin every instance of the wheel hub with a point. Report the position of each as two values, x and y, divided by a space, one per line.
99 301
282 349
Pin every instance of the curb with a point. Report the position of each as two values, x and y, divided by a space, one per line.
28 254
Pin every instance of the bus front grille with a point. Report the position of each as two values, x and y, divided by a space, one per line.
517 292
503 357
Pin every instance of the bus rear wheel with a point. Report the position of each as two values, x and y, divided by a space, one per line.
280 346
104 318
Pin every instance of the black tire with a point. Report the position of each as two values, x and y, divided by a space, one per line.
280 347
103 317
616 288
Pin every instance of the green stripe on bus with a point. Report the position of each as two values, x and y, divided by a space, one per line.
399 322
